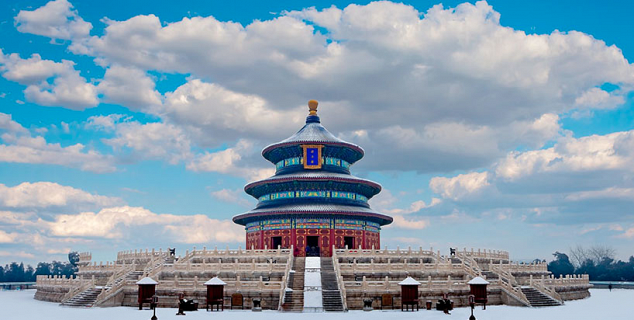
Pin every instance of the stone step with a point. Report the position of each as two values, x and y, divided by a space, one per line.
538 299
84 299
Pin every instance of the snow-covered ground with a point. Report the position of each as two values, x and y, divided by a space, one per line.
618 304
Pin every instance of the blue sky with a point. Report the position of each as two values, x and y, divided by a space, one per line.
501 125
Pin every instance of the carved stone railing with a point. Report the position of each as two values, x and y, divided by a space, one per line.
543 288
392 286
340 284
582 280
515 267
386 253
76 286
470 265
228 253
140 254
287 272
84 258
515 292
485 254
231 284
115 283
437 266
503 273
99 267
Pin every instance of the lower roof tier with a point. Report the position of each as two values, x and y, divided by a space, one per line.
296 210
323 180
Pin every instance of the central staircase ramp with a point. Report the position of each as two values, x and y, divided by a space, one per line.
329 288
313 300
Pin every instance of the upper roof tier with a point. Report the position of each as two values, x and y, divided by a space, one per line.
313 133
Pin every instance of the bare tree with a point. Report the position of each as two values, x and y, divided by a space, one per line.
578 255
600 252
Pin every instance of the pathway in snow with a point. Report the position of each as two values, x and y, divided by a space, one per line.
312 285
615 305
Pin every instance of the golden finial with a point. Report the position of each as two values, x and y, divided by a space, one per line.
312 106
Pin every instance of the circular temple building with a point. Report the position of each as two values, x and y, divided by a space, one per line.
313 202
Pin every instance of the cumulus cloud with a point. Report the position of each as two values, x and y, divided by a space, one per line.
448 89
596 98
56 20
154 140
451 79
595 152
120 223
404 223
106 122
50 194
219 113
229 161
628 234
569 183
130 87
7 124
36 150
7 237
68 88
460 185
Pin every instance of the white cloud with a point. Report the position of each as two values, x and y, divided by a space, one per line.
32 70
16 254
25 149
49 194
221 114
70 91
6 123
7 237
464 88
106 122
228 161
65 127
68 88
459 186
236 196
403 223
123 222
608 193
55 20
130 87
596 152
628 234
596 98
151 140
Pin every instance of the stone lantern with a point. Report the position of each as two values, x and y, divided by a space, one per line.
215 293
479 290
409 293
147 289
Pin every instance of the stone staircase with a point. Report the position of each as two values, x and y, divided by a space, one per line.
490 275
85 298
294 301
331 296
538 299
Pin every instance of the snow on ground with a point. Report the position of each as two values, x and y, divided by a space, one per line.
615 305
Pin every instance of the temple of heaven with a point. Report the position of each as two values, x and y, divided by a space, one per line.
312 202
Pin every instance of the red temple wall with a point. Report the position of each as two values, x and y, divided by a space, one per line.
327 238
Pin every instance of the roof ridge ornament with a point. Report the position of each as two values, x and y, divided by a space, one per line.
312 106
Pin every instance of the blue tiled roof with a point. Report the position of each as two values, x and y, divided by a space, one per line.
313 132
328 209
315 175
